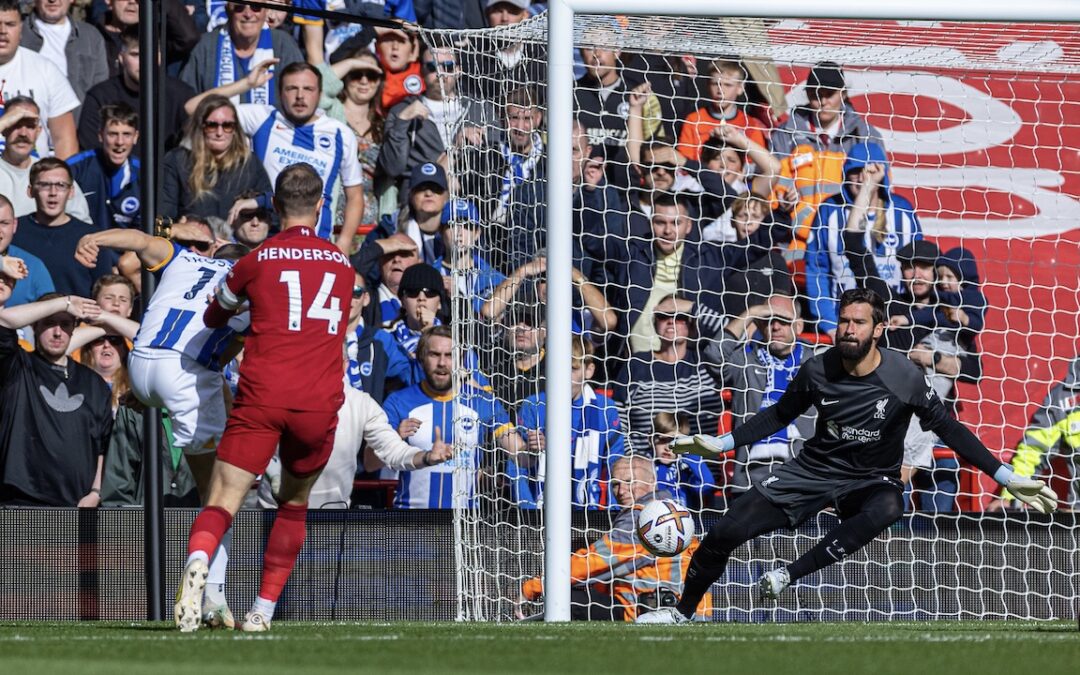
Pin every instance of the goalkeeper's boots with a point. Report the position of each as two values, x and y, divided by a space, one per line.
664 615
255 622
218 616
188 608
772 584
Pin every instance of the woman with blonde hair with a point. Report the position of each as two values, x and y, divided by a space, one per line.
107 356
212 166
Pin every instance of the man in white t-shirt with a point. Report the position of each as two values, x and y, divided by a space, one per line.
301 132
26 73
20 128
75 47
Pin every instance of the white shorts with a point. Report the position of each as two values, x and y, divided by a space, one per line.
193 395
918 446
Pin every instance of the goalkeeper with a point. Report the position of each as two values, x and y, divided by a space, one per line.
865 397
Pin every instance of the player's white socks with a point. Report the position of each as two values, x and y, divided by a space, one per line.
215 580
197 555
264 607
220 560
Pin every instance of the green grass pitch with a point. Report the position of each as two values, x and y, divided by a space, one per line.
294 648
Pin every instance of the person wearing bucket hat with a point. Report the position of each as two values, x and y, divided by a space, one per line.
886 222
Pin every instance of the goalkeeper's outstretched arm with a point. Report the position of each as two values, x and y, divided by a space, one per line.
794 402
1034 493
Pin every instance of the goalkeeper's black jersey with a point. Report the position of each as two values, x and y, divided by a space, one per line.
862 421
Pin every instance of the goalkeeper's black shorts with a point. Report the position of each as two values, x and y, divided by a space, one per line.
800 493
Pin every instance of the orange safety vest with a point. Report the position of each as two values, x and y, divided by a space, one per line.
816 175
605 557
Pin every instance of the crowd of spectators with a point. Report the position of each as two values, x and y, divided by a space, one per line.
712 237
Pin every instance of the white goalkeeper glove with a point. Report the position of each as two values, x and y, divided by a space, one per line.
703 444
1035 493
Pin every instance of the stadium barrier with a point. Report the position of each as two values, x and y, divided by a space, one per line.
72 564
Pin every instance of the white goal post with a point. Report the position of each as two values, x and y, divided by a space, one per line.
561 16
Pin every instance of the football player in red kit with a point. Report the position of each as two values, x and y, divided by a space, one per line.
298 287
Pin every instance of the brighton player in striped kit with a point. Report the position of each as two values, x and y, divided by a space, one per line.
176 363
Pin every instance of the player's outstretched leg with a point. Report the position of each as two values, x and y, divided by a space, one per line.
751 515
871 513
286 539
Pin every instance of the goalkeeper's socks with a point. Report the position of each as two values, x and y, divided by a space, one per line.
698 582
264 607
286 539
207 530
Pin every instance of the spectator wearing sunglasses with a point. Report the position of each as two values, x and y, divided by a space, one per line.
213 167
755 357
352 92
422 296
375 362
231 53
251 227
670 377
52 235
423 127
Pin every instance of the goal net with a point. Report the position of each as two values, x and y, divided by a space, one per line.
978 124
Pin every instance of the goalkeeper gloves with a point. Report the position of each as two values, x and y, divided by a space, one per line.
1035 493
703 444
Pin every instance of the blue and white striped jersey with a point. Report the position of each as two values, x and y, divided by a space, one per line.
174 319
326 144
481 420
597 441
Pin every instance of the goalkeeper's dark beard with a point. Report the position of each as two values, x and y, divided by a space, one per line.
855 351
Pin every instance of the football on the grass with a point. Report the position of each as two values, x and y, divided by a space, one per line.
665 527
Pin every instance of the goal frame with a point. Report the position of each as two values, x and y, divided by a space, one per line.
561 13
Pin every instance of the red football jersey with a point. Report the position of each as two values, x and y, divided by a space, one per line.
299 287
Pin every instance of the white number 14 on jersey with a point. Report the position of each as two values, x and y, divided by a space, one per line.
325 307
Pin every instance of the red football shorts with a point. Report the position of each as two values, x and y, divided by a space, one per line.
252 433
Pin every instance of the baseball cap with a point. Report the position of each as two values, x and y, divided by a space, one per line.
428 172
825 75
458 210
918 251
520 4
419 277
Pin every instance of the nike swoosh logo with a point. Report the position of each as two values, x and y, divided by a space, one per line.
826 401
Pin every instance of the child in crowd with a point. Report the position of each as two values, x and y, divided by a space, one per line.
596 443
686 477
